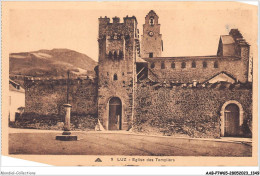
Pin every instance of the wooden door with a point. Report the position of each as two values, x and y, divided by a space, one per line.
115 117
231 120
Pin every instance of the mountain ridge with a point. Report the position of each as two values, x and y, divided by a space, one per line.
51 63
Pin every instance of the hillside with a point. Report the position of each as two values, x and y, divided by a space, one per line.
51 63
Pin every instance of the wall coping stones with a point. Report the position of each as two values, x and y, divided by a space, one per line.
28 83
217 85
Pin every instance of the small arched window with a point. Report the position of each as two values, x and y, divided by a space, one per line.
110 55
151 21
152 65
173 65
162 65
115 55
205 64
115 77
127 37
216 64
183 65
193 64
120 55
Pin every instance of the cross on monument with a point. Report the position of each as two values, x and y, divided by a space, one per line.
66 135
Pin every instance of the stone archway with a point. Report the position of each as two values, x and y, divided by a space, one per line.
115 114
227 106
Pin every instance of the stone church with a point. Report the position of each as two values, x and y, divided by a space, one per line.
198 95
137 89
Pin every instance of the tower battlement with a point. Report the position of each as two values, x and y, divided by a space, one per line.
108 27
115 20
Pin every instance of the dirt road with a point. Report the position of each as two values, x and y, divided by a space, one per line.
122 144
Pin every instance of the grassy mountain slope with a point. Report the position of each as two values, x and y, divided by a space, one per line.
51 63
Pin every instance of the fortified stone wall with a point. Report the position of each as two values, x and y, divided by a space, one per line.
169 108
175 71
186 110
47 97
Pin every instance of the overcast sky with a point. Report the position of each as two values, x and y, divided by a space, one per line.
188 29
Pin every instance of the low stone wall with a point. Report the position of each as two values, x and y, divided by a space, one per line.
55 122
189 111
45 97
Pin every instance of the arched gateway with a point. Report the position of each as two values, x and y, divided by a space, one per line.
115 114
231 118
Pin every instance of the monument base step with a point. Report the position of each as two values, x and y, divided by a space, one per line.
66 133
67 138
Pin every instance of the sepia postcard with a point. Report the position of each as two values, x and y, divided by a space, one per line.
130 83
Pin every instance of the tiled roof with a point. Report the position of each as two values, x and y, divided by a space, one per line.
13 86
227 39
223 72
138 59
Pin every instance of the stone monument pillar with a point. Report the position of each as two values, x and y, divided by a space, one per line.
66 135
67 119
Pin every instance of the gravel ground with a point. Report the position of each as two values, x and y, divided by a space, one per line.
122 144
